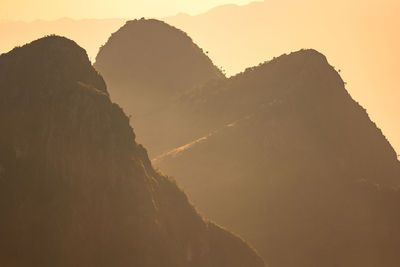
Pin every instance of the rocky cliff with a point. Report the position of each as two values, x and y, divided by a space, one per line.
75 187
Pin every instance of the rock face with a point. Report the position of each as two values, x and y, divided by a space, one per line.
292 163
75 187
147 65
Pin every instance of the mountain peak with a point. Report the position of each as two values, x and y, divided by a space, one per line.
54 45
150 45
309 64
310 53
56 57
298 59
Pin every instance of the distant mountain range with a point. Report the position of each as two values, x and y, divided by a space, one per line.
75 187
363 46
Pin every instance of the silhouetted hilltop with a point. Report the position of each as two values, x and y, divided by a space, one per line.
291 162
152 59
75 187
148 64
53 59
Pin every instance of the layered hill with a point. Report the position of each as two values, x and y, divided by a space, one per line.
75 187
291 162
148 64
241 36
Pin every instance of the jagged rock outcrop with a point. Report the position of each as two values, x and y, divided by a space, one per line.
291 162
148 64
75 187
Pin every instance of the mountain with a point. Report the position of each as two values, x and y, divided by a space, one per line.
292 163
75 187
148 64
361 42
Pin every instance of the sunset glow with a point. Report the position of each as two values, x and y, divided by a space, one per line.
53 9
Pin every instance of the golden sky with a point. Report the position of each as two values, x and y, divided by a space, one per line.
28 10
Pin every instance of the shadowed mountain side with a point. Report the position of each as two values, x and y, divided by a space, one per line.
313 90
147 64
75 187
293 164
284 195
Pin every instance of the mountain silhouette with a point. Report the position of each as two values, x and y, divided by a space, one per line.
292 163
240 36
75 187
148 64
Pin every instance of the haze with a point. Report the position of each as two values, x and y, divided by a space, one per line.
53 9
192 134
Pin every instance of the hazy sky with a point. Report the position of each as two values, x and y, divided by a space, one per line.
52 9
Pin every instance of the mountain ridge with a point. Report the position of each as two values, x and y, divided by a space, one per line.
304 64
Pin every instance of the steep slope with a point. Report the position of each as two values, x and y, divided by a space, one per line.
147 64
294 164
75 187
